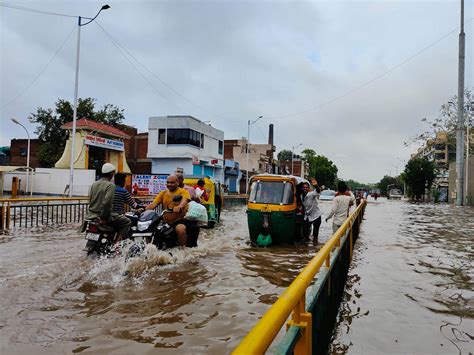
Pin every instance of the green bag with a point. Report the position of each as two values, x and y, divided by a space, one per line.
264 240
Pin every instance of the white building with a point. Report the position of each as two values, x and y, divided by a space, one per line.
184 143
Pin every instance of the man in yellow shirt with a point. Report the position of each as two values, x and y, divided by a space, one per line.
165 198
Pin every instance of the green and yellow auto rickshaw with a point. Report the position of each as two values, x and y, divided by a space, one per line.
214 203
274 212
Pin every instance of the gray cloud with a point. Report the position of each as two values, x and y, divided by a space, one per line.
242 59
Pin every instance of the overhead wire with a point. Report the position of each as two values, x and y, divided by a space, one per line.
40 73
22 8
158 78
360 87
149 82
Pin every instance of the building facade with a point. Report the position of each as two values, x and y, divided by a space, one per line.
441 152
19 152
298 167
185 144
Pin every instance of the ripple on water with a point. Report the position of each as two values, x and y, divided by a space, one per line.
416 281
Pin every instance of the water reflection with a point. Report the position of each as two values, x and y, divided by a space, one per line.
415 278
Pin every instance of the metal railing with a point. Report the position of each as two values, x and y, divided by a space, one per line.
29 212
32 212
312 313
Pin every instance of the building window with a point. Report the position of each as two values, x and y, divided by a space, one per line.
202 140
221 147
161 136
23 151
183 136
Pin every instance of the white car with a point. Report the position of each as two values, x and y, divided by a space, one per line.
327 195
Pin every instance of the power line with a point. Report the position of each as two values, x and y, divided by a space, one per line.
121 50
157 77
40 73
368 82
22 8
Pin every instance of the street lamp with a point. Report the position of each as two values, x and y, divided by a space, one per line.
249 123
27 156
76 85
292 154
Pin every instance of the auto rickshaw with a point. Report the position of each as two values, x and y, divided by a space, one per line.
214 203
274 212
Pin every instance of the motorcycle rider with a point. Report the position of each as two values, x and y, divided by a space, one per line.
101 203
122 196
165 198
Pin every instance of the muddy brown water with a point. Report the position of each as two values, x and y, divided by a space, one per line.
410 288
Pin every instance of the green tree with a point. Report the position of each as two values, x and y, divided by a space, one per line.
384 183
321 168
284 155
354 185
446 121
419 176
49 122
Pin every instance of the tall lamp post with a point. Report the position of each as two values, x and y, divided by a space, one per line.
76 86
460 118
27 156
292 154
249 123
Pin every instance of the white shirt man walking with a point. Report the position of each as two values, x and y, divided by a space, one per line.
312 213
340 206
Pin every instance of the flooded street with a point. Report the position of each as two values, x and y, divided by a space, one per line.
411 285
410 288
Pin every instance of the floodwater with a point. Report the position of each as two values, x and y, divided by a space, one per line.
410 288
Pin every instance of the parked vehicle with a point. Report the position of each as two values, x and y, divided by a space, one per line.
273 214
395 194
214 190
327 195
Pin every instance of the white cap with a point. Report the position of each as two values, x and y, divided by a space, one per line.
107 168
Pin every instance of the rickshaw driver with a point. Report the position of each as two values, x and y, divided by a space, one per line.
165 198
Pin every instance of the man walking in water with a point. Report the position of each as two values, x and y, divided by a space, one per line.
312 214
340 206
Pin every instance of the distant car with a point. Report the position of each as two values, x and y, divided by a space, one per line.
395 194
327 195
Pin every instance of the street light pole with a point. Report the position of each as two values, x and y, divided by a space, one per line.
27 156
460 120
76 88
249 123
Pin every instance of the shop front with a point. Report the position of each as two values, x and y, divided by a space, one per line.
95 144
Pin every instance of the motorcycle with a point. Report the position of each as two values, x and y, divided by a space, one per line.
152 228
100 237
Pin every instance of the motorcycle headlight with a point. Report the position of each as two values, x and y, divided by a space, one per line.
141 226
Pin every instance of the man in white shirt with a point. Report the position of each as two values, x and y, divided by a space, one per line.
340 206
312 213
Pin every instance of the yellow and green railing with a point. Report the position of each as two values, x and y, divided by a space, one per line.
312 302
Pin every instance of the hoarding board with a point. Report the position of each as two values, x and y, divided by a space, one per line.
148 184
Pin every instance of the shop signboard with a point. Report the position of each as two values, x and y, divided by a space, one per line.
104 143
148 184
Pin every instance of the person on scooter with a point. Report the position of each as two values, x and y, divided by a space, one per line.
101 203
122 197
165 198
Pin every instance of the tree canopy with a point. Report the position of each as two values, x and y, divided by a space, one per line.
446 121
284 155
384 183
321 168
50 121
419 175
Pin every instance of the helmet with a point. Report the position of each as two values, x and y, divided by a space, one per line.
107 168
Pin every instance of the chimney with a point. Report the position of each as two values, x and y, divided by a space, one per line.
270 134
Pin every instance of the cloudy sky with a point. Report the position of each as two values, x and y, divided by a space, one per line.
303 65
